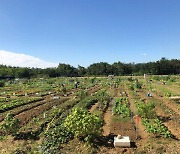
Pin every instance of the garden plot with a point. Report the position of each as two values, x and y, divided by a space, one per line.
116 102
122 120
168 118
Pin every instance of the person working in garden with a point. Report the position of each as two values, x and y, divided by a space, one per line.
76 84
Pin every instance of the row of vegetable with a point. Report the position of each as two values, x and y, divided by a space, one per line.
17 103
150 119
121 107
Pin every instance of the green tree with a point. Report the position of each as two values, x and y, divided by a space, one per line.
101 68
81 70
66 70
23 73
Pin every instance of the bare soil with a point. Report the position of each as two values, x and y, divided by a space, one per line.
168 103
93 108
169 119
26 116
107 120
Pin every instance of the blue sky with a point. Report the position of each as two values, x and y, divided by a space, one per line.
88 31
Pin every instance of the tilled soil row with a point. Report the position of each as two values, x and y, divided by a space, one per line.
139 127
107 120
168 103
113 128
94 89
18 110
32 105
26 116
171 121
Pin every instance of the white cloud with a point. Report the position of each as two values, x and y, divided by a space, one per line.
144 54
22 60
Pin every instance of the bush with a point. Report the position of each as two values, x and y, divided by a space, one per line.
83 124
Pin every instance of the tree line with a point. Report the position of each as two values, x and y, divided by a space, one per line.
160 67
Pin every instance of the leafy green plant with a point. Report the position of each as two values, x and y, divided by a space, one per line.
87 102
103 99
83 124
131 87
137 85
146 110
10 125
17 103
121 107
150 120
82 94
168 94
54 137
155 126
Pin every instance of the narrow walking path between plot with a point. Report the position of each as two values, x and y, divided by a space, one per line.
171 121
107 120
140 129
168 103
93 108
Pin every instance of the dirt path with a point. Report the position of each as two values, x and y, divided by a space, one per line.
171 88
94 89
168 103
141 131
171 121
107 120
94 107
